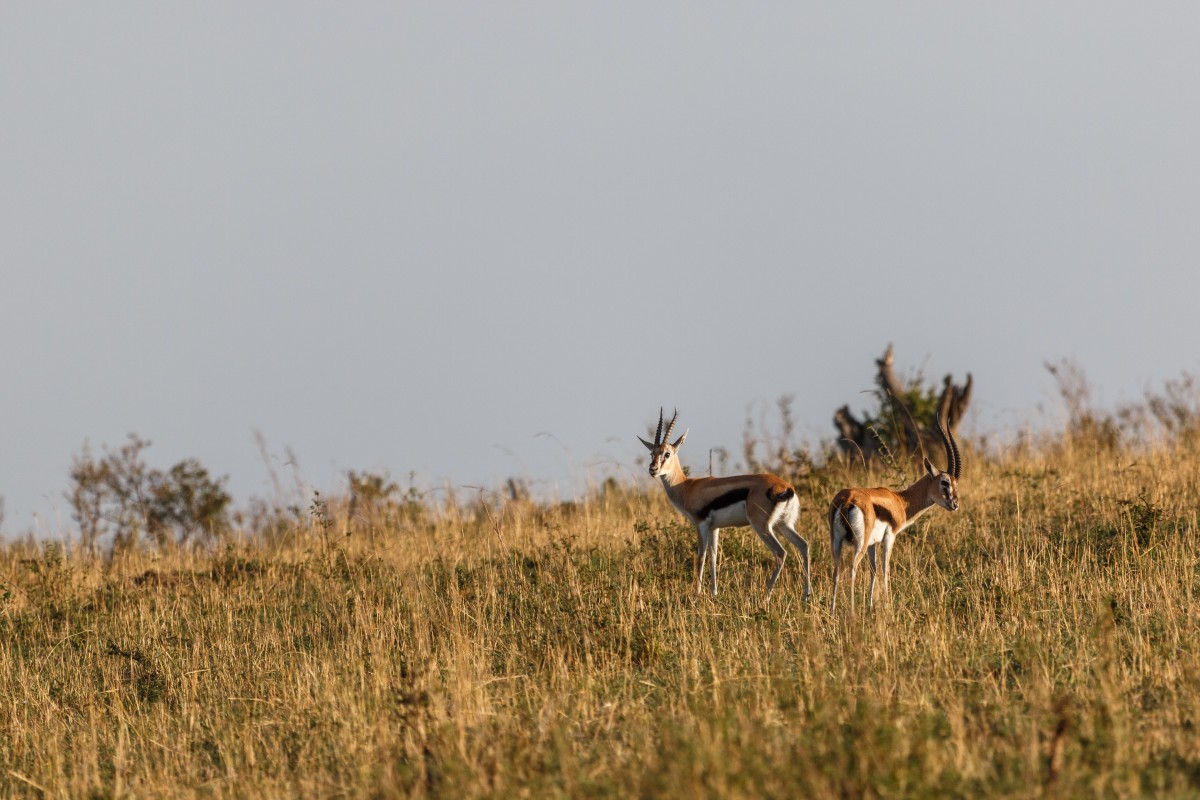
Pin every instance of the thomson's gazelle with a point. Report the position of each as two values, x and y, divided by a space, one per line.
867 518
766 503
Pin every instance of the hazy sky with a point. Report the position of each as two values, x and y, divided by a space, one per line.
416 236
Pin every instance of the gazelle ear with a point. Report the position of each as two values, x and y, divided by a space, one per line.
649 446
679 441
932 469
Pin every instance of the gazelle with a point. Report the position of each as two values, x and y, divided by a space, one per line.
766 503
868 518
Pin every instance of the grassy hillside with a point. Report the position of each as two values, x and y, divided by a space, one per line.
1041 641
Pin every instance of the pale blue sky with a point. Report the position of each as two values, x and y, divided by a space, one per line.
414 236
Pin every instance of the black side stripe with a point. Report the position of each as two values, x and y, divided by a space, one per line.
723 501
883 514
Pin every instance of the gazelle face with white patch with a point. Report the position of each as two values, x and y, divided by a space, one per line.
664 457
943 487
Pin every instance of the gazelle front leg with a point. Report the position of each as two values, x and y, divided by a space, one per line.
888 540
714 546
871 588
708 553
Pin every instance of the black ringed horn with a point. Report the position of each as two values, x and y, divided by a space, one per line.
658 433
953 459
671 427
957 457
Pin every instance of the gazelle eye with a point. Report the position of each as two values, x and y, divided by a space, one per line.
666 456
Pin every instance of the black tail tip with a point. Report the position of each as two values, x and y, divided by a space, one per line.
782 497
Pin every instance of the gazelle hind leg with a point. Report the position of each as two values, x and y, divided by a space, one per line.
871 590
888 541
801 544
851 522
714 547
835 549
768 537
858 530
859 552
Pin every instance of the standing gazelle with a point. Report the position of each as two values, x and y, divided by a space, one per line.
766 503
869 517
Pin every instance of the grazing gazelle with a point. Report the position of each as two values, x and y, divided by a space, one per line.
869 517
766 503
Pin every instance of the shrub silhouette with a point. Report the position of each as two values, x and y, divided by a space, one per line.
119 497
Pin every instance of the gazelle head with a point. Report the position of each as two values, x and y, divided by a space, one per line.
945 484
663 456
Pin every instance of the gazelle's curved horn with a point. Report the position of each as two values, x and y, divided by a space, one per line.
953 459
667 436
658 433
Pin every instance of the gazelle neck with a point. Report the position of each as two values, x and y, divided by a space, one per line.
919 497
673 476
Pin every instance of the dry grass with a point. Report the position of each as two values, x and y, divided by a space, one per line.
1042 641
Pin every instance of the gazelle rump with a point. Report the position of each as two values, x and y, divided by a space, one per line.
767 503
870 518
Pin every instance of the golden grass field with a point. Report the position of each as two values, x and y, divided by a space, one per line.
1042 641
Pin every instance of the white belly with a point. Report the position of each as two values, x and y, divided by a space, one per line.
730 516
879 531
